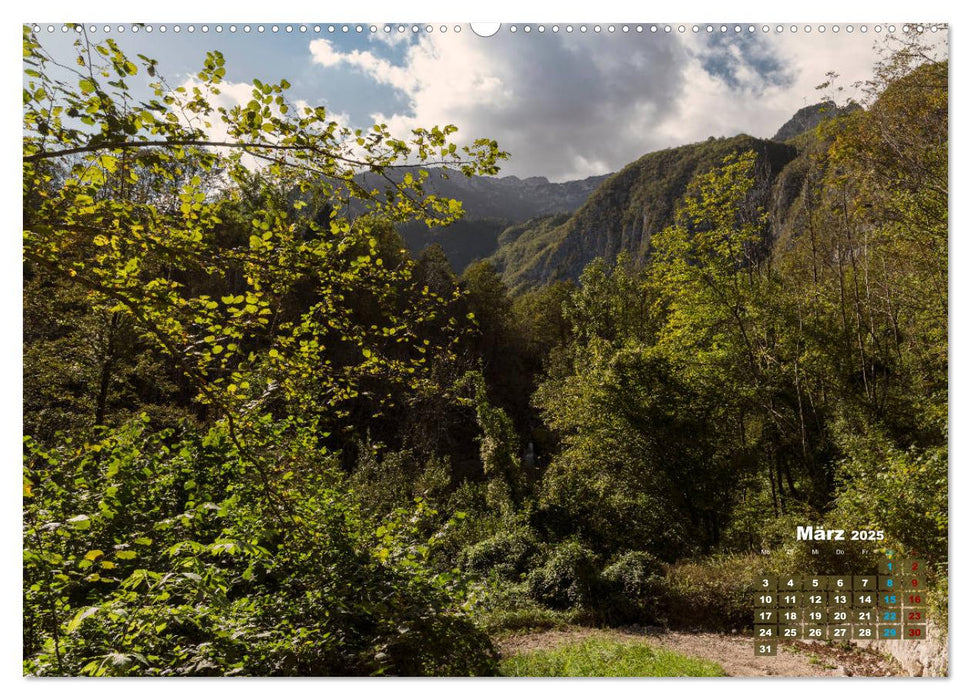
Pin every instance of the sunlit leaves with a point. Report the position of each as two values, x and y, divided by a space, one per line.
203 246
102 227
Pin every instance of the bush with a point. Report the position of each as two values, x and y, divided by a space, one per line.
716 594
508 607
635 585
383 483
903 492
151 554
568 579
508 554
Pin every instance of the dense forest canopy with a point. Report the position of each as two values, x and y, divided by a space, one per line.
261 438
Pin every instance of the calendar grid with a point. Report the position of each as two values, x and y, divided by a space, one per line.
886 606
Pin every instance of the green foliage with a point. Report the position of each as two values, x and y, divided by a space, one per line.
262 440
510 608
712 594
509 554
750 530
231 549
540 314
654 355
635 585
85 365
384 483
706 267
569 578
639 469
498 450
903 491
864 292
95 227
610 303
145 556
604 657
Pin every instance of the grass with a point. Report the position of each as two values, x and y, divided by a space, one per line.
508 608
523 619
606 658
713 594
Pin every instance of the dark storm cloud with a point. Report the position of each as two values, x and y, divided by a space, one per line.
581 103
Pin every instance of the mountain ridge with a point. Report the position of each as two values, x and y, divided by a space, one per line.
491 205
627 209
810 117
536 231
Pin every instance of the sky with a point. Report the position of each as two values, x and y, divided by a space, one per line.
566 104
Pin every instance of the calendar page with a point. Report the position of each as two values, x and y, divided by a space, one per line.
551 349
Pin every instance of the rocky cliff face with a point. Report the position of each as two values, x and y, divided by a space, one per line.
809 118
628 208
536 231
512 198
928 657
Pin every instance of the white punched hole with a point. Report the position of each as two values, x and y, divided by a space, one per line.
485 29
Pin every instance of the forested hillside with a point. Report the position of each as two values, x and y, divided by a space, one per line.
261 437
628 209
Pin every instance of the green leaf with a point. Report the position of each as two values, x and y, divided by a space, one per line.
80 617
80 522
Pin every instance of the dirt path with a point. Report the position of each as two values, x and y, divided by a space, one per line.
733 652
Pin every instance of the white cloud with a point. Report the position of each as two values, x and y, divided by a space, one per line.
710 107
541 98
392 37
569 106
377 68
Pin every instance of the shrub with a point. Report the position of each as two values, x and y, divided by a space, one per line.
475 522
149 554
383 483
635 585
568 579
508 554
716 594
505 607
903 492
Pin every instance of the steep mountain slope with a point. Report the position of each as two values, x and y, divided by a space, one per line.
536 231
512 198
809 117
627 209
491 204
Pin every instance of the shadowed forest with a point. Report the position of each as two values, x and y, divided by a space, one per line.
264 437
